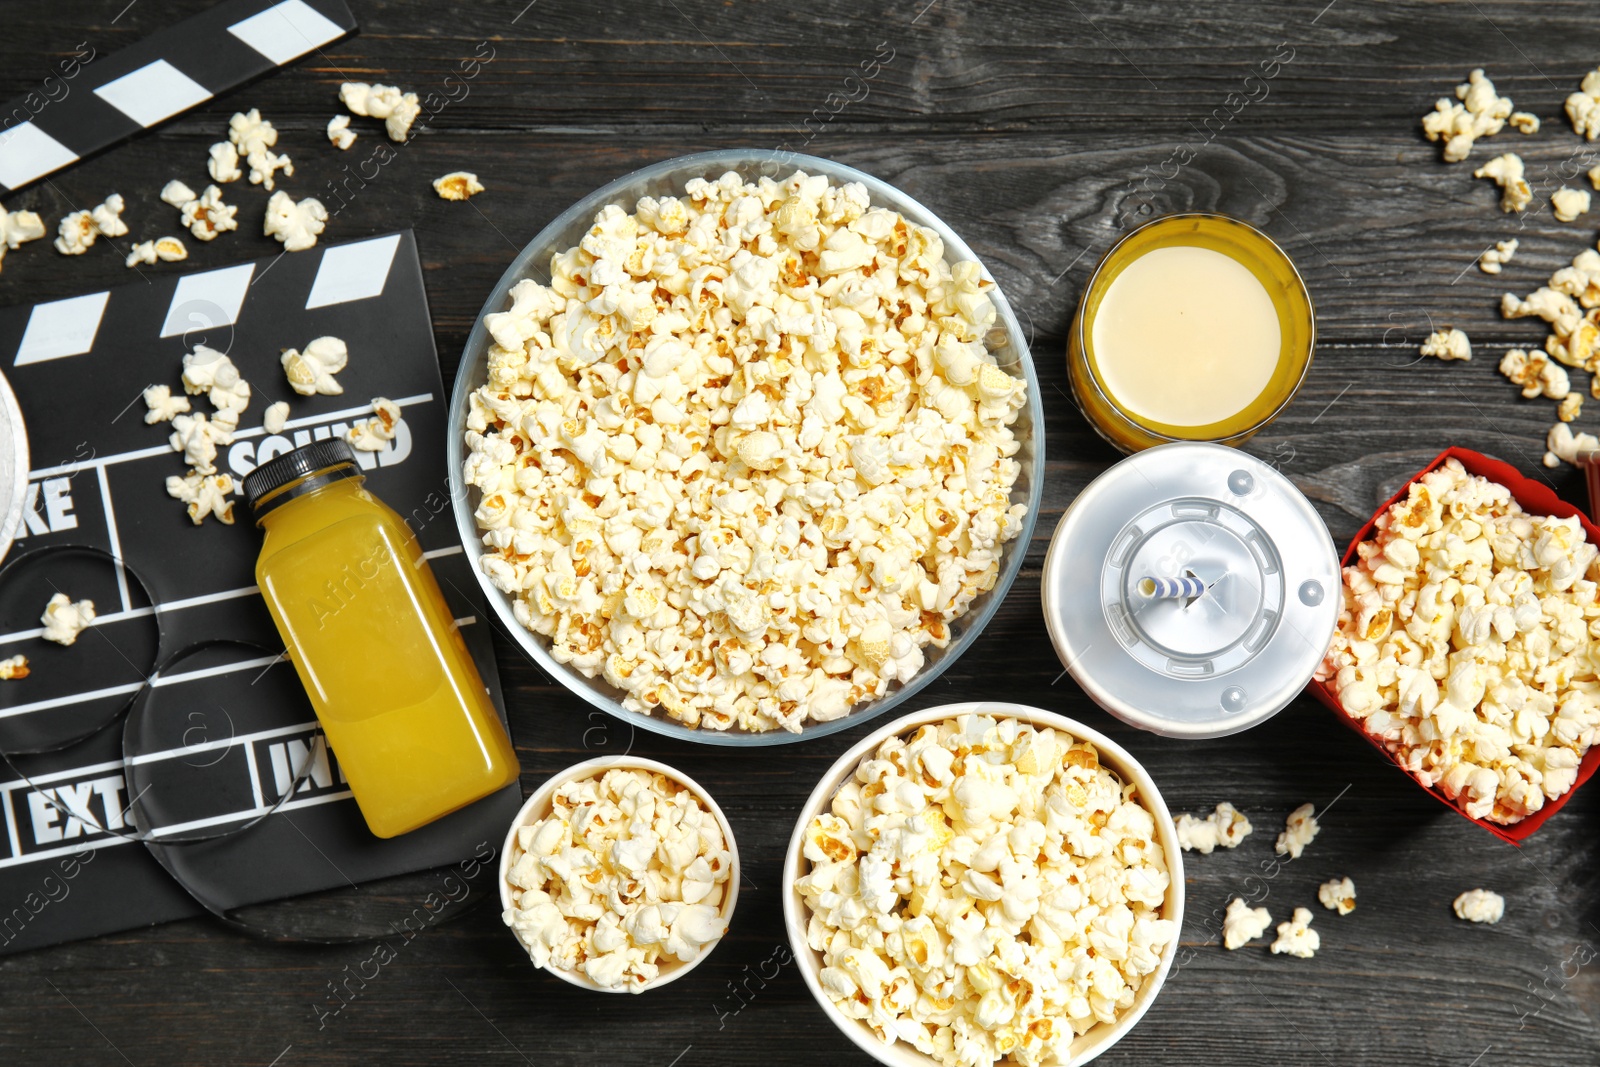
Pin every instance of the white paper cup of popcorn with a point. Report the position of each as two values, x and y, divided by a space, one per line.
619 874
1005 802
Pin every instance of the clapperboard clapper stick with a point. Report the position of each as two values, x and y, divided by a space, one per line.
112 99
99 479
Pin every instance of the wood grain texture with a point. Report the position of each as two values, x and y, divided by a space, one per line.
1037 131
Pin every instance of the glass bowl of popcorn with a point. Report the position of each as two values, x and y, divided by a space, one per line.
744 447
983 883
619 874
1467 651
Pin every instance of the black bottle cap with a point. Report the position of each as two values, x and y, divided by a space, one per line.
328 461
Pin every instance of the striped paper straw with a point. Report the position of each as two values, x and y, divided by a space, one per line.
1171 588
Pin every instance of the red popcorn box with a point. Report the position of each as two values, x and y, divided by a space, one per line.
1538 499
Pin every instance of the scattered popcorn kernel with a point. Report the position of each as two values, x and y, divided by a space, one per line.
1477 111
1447 345
13 668
1506 171
1536 373
1583 107
374 435
457 185
1569 203
340 133
108 217
311 372
996 869
223 163
205 370
65 619
165 249
1594 176
162 404
1298 832
1338 894
1296 938
628 872
176 193
295 224
275 417
1226 827
1495 258
397 110
254 136
1570 408
1568 447
77 234
206 494
1524 122
17 228
1480 906
1243 924
206 215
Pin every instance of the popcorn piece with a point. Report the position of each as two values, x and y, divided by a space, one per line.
340 133
108 217
206 215
985 877
1243 924
1296 938
1480 905
1569 203
311 372
799 473
1298 832
1447 345
206 494
457 185
163 405
198 438
374 435
1464 647
65 619
1594 176
13 668
1536 373
1338 894
223 164
18 227
1506 171
275 417
398 110
1480 112
603 884
1583 107
177 194
1570 408
1524 122
295 224
166 249
205 370
1564 445
77 233
1495 258
1225 826
253 136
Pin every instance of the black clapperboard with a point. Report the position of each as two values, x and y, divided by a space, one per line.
80 109
228 730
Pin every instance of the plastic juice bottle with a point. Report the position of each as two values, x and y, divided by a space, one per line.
374 643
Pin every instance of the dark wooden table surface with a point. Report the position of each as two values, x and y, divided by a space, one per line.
1037 131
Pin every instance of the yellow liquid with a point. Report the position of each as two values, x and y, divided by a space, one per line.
1167 372
377 648
1186 336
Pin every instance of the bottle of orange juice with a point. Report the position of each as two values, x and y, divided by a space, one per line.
374 642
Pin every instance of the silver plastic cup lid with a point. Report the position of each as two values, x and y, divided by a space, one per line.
1191 590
